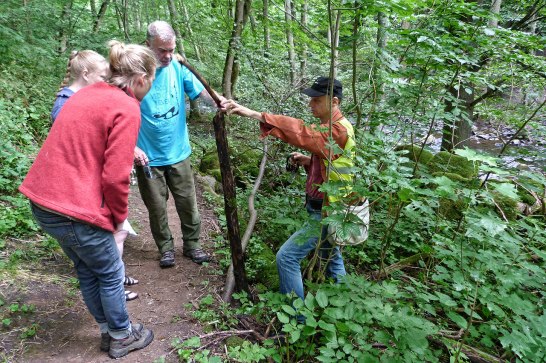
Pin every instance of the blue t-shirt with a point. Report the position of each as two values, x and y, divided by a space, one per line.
163 133
62 97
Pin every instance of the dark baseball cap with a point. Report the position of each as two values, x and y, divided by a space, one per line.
321 87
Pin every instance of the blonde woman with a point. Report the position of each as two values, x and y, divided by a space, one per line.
79 185
84 68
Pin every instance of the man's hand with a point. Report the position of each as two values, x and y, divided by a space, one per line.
300 159
233 107
140 157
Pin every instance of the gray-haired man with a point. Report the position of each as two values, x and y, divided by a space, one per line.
163 144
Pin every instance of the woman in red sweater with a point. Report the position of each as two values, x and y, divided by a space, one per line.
79 186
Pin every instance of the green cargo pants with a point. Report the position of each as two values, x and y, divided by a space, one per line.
178 178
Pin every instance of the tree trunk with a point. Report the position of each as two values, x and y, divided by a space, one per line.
93 8
266 28
190 32
289 19
100 16
176 26
457 132
63 32
356 25
123 20
495 10
234 44
376 77
303 55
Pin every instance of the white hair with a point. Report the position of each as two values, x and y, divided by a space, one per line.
160 29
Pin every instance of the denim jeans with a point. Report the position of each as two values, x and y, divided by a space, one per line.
298 246
178 178
98 266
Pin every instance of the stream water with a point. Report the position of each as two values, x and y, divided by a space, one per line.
526 152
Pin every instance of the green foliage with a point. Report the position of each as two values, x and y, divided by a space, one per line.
215 315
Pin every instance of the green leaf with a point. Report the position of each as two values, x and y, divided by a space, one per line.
457 319
475 156
327 326
507 189
322 299
289 310
294 336
283 318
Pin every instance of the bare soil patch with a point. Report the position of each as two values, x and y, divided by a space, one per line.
68 333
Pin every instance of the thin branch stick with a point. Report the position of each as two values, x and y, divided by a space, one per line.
230 280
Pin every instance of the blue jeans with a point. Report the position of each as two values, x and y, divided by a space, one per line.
98 265
298 246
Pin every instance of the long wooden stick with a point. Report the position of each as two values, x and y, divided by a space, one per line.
228 185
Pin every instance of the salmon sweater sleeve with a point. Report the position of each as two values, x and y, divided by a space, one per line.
311 138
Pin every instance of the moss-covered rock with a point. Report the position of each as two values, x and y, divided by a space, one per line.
245 163
414 151
509 206
234 341
448 164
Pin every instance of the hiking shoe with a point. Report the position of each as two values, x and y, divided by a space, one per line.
105 337
167 259
137 340
197 255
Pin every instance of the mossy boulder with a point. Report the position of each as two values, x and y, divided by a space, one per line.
414 151
245 163
234 341
509 206
450 165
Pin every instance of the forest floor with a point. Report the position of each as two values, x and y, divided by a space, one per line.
66 332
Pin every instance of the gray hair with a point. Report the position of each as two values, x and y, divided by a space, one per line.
160 29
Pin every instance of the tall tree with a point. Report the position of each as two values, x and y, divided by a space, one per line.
289 20
265 21
228 83
100 15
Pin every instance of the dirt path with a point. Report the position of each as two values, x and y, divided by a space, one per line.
69 334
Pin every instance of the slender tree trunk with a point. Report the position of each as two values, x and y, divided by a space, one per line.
190 32
234 44
137 22
266 27
122 16
64 25
333 36
100 16
356 26
495 10
288 17
377 82
303 55
93 8
176 26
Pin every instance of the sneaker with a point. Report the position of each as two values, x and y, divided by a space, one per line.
167 259
137 340
197 255
105 337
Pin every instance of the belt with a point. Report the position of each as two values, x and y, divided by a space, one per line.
313 202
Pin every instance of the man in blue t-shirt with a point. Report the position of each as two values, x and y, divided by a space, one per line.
163 144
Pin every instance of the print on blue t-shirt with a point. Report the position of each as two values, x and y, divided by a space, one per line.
163 133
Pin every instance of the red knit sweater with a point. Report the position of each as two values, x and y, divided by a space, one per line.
82 170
